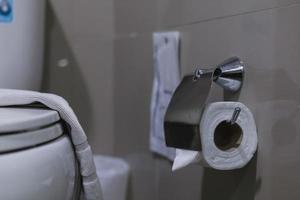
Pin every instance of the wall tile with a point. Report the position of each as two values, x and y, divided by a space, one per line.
86 80
115 76
268 41
60 12
94 58
94 17
175 13
132 90
135 16
147 16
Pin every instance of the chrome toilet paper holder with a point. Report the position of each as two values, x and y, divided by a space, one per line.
183 115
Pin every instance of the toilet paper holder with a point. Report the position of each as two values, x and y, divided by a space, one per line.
183 115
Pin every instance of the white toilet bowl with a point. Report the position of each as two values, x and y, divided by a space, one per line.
37 160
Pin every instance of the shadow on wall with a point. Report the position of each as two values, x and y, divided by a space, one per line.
66 81
231 185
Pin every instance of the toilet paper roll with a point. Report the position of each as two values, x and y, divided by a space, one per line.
225 146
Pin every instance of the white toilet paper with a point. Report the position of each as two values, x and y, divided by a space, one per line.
224 146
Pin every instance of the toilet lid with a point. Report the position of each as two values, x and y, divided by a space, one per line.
26 127
19 119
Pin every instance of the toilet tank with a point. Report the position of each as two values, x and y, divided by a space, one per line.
22 44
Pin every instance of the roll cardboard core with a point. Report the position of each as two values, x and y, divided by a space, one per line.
228 136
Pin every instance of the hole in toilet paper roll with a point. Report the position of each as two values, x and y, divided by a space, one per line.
228 136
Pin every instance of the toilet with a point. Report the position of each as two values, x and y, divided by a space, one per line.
36 156
38 160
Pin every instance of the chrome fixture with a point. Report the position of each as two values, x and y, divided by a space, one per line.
182 119
229 74
235 115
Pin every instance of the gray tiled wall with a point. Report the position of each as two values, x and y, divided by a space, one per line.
82 32
109 79
266 35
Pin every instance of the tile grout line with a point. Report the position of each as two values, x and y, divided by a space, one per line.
234 15
137 34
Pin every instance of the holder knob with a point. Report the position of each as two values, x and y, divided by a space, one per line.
229 75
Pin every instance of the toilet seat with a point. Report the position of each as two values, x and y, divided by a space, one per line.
22 127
